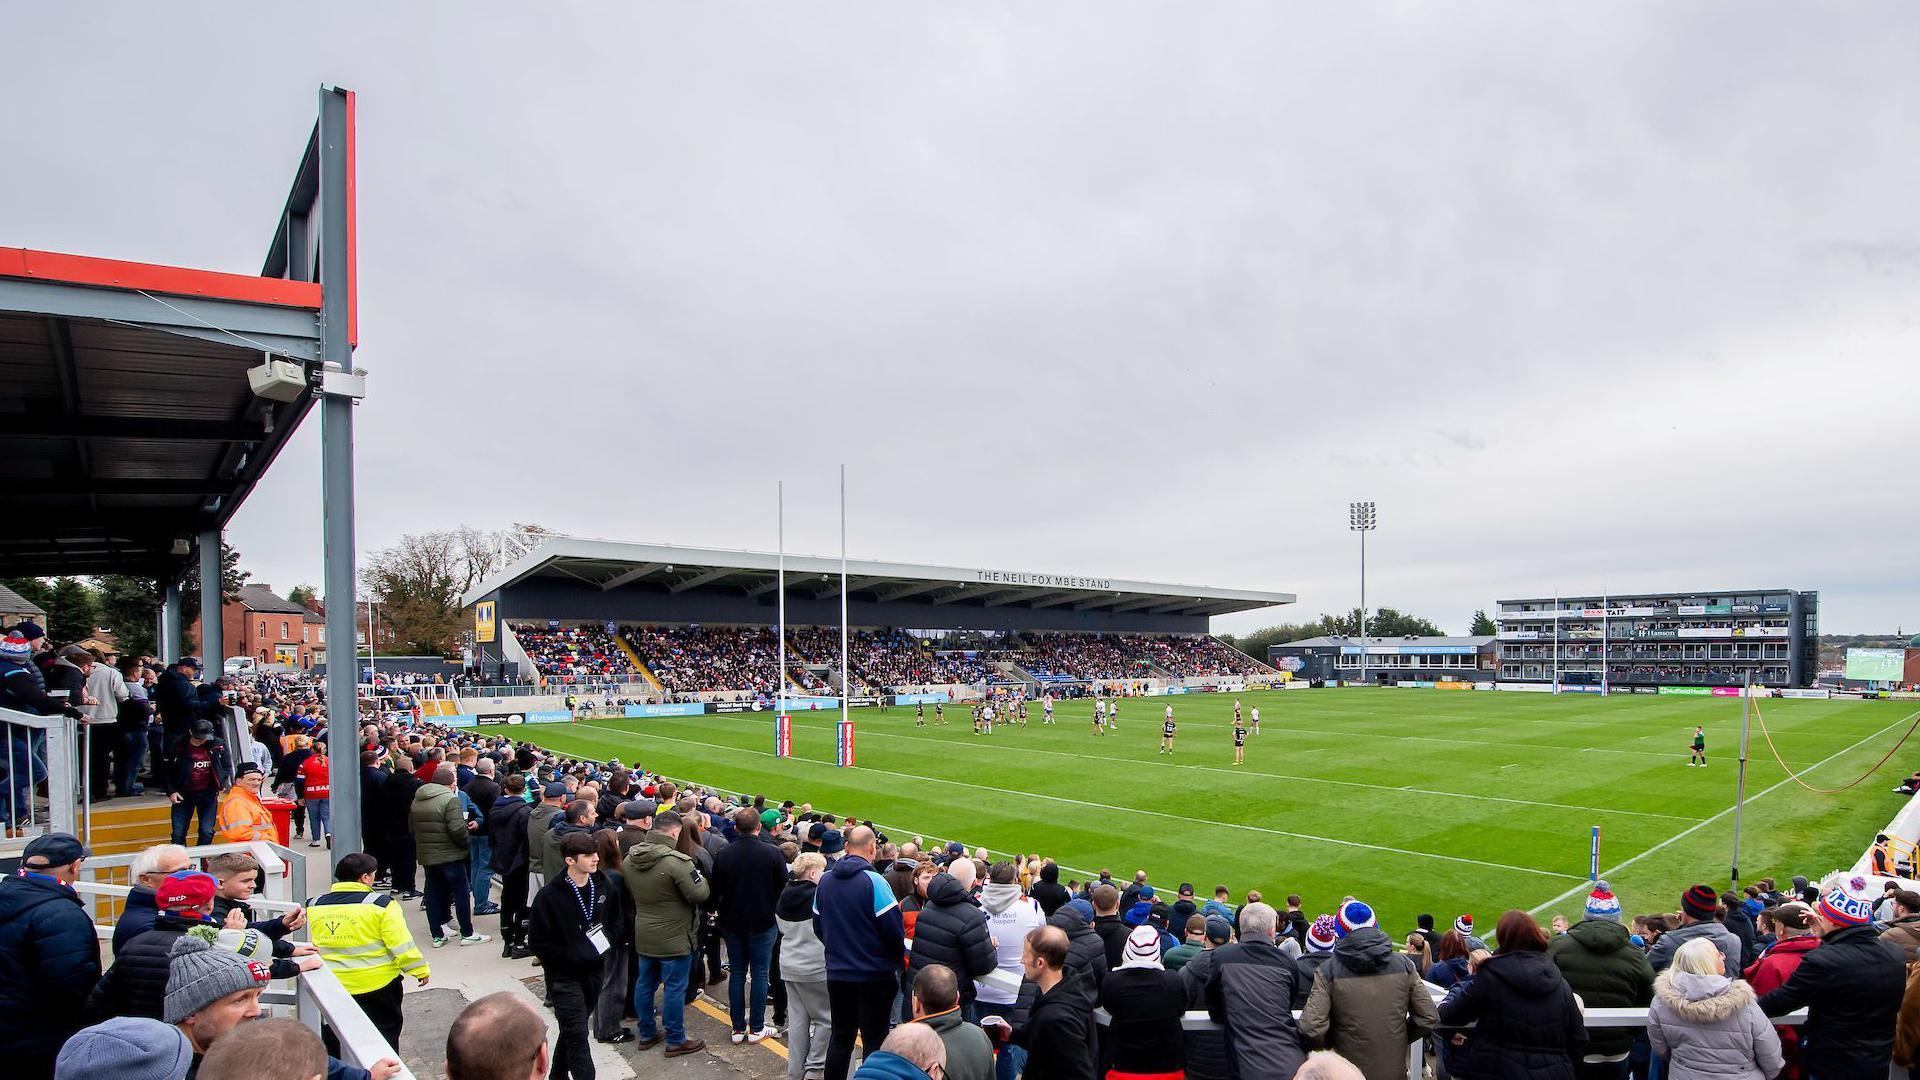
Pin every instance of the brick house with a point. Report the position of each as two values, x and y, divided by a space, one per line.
268 627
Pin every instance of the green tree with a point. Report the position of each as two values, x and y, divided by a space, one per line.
1482 625
417 583
1382 622
130 608
34 590
1255 644
302 595
231 575
73 611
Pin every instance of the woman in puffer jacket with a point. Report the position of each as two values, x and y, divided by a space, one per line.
1707 1026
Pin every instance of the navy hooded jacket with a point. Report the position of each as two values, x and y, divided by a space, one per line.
49 960
859 923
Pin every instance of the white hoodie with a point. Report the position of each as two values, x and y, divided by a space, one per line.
1010 916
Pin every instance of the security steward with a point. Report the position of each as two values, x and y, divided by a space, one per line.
362 936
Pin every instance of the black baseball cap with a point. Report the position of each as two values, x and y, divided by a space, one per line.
54 849
204 729
246 768
189 661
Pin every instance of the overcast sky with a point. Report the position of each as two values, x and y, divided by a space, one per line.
1620 297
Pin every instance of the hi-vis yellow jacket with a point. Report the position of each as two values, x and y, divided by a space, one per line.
362 935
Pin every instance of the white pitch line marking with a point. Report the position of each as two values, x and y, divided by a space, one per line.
1107 806
1285 776
1690 830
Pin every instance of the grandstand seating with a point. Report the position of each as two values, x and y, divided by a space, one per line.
575 654
741 659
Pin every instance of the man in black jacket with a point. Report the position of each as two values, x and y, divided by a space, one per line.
398 792
507 840
952 930
197 771
747 878
1048 892
1086 953
1107 922
1058 1034
569 932
49 957
177 702
373 811
1851 986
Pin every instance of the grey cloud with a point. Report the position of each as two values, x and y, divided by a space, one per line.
1116 288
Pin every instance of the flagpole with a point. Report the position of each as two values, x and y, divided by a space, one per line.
846 688
780 676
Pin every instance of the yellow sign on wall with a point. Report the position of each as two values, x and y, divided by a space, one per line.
483 618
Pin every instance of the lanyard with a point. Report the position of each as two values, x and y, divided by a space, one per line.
587 902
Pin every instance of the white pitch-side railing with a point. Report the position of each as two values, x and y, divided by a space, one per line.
1198 1020
316 997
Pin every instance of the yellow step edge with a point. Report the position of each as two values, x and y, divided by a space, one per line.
638 664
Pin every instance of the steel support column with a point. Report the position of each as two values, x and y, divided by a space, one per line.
168 646
336 477
212 604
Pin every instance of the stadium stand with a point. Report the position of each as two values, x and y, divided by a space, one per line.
575 653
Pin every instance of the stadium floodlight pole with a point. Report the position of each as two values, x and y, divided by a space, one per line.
846 688
1556 641
780 531
1361 519
1740 785
1603 643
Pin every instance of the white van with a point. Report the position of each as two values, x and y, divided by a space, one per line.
240 665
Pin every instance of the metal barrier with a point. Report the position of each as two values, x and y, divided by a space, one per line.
319 998
1198 1020
282 886
316 997
41 748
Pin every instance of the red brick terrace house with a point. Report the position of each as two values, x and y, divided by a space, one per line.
268 627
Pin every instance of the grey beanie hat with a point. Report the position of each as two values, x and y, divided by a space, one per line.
125 1048
199 975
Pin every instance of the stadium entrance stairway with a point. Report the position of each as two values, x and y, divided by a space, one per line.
639 665
128 825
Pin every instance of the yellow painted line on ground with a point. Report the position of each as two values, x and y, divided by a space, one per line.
715 1012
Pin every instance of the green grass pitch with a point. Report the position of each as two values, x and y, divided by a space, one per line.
1414 800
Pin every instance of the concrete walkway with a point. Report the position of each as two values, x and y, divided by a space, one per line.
461 975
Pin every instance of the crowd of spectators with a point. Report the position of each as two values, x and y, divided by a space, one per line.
704 659
1131 656
1191 655
936 958
575 654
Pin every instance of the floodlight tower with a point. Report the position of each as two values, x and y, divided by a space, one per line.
1361 519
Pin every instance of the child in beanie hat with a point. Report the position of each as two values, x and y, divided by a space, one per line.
1601 903
1354 915
1322 934
1464 924
125 1048
199 975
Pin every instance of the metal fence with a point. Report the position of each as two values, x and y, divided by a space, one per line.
316 998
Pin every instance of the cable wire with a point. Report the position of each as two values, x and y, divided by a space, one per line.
1795 777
